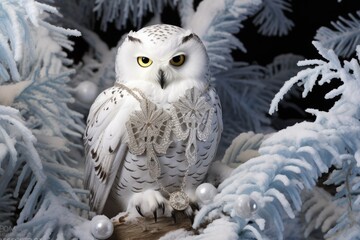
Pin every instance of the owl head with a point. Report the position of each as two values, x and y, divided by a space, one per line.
164 55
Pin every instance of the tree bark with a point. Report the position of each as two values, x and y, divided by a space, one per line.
147 228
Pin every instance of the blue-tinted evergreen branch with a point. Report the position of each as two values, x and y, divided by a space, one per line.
35 163
248 91
121 12
344 37
271 18
215 22
293 159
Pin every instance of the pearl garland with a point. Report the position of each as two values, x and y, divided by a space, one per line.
101 227
86 91
245 206
205 193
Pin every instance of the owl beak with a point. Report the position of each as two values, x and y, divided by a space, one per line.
162 78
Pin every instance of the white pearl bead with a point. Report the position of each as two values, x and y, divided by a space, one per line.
205 193
101 227
86 91
245 206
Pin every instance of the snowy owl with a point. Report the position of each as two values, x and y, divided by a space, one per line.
151 138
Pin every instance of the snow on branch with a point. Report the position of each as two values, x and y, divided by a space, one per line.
320 211
36 166
19 20
293 159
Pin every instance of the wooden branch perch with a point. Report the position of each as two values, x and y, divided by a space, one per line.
147 228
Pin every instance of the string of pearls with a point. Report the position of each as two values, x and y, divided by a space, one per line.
101 227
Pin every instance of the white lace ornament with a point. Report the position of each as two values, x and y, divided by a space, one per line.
192 118
149 131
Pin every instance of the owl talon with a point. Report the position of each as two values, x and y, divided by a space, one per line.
139 210
192 217
162 206
194 206
155 215
173 215
147 203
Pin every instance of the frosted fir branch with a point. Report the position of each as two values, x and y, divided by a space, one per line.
123 11
68 32
344 37
241 82
347 217
294 158
186 11
286 165
44 224
49 206
8 92
248 91
14 135
44 106
215 22
20 21
320 211
46 100
243 147
309 77
80 11
8 203
98 65
222 228
271 18
325 72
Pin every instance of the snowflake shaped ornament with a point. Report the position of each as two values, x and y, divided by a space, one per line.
192 118
149 131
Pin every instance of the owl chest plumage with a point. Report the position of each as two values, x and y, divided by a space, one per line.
180 166
134 177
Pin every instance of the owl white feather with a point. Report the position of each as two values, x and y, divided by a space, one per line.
156 131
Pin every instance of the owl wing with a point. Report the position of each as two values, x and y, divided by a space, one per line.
105 146
218 112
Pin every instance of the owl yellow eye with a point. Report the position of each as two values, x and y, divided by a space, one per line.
144 61
178 60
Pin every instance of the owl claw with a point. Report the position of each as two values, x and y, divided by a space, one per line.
155 215
173 215
162 206
139 210
146 204
192 217
194 206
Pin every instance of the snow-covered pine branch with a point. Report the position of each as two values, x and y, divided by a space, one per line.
320 211
215 22
346 200
36 165
344 37
20 18
248 91
121 12
271 18
294 158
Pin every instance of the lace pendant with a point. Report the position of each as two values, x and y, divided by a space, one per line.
192 117
149 131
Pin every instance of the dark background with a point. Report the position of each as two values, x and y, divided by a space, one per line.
308 16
